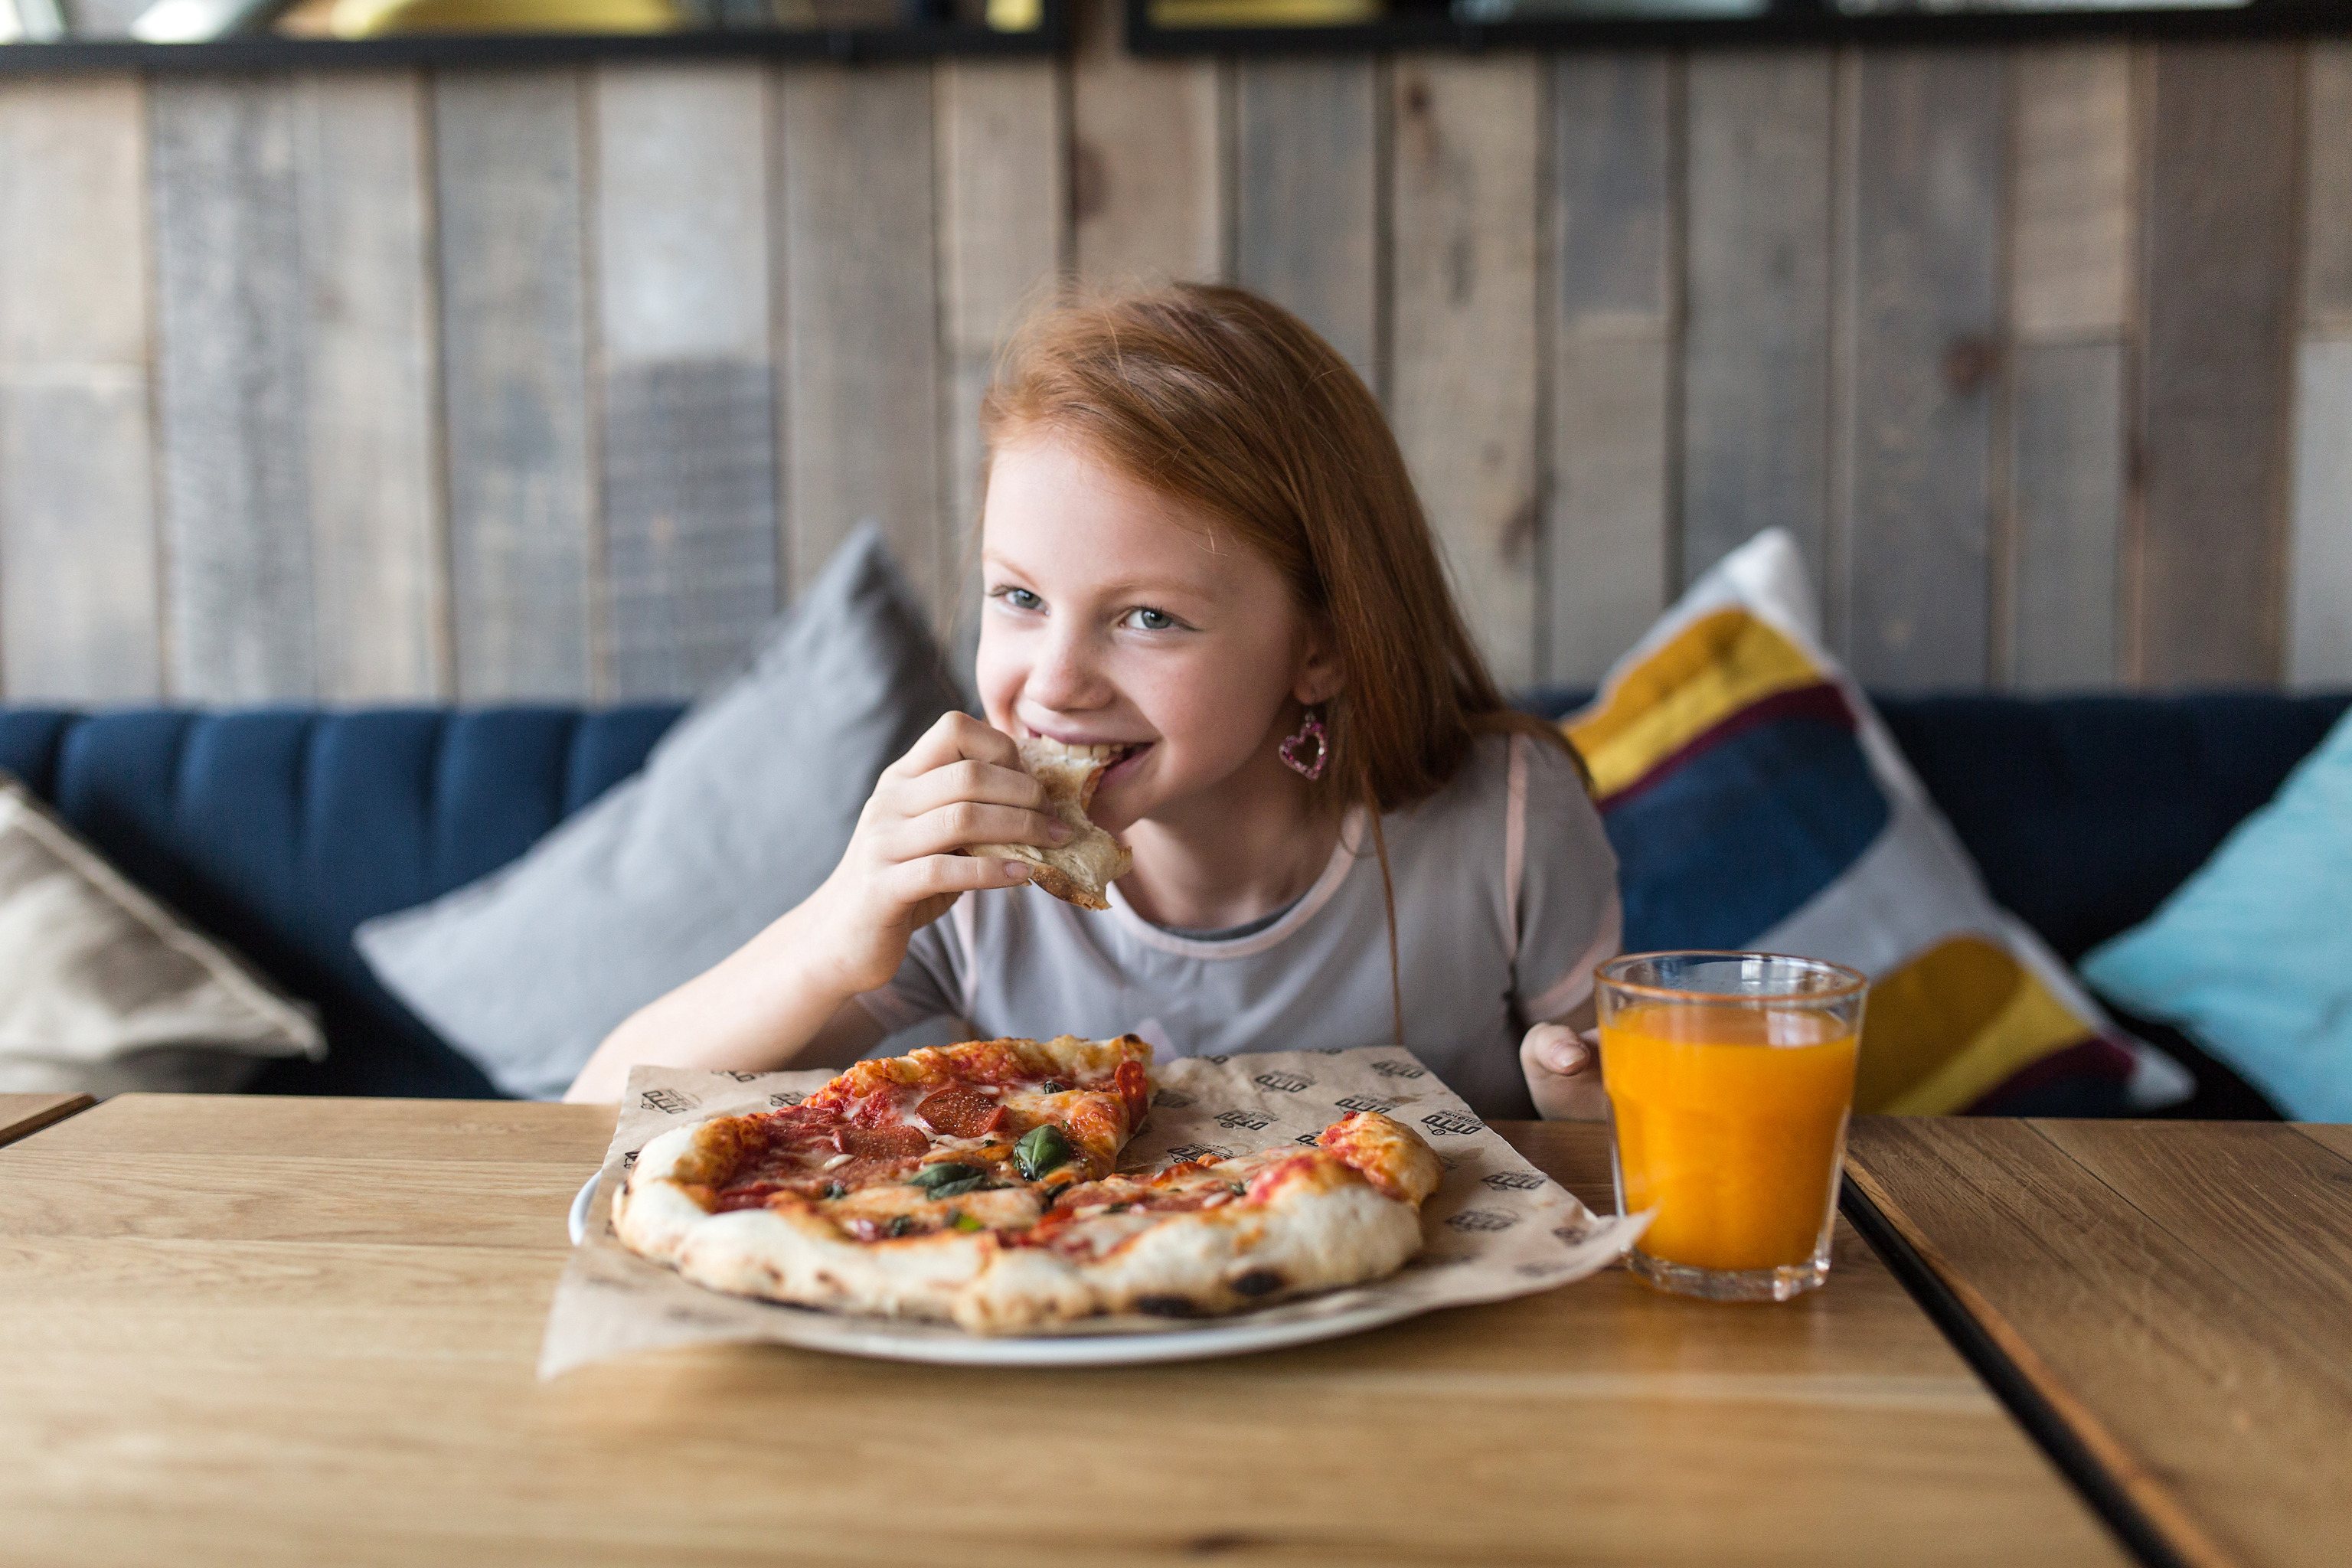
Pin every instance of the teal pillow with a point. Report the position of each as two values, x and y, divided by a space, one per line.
2252 956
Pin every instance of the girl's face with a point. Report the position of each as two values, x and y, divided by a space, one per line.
1115 614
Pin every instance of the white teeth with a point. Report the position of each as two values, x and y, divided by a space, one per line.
1097 753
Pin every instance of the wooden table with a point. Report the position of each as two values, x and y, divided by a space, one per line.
23 1113
2177 1296
256 1332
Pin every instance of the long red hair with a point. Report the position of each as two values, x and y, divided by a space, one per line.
1228 402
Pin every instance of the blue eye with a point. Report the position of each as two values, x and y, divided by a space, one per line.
1146 618
1020 598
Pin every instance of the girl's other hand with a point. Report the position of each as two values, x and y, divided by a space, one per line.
960 783
1563 1071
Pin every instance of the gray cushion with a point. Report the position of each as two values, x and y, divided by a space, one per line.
102 989
741 812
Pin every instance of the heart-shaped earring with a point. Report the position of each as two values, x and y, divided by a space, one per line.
1312 730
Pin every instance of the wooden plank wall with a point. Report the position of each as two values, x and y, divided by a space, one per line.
553 384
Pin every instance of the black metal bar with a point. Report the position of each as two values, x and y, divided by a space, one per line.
266 51
2015 1391
1816 24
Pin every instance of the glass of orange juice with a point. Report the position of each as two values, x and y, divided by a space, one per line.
1730 1076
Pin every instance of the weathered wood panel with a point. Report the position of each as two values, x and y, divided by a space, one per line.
861 323
1004 235
2072 246
507 149
79 589
689 405
1756 334
2319 558
2066 489
1463 381
2220 235
1306 231
1147 160
230 381
1607 521
371 430
2072 241
2327 190
2319 545
1920 363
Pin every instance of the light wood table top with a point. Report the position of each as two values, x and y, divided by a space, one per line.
26 1113
2180 1294
255 1332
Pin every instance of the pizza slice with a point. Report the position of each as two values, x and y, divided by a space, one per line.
934 1149
977 1184
1200 1239
1075 872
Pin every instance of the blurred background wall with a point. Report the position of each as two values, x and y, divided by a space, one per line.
553 383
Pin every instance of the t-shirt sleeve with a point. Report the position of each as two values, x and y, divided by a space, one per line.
1569 918
927 985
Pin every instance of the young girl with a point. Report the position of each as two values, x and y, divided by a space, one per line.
1199 545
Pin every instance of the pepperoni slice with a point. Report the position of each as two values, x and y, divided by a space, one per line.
962 1113
1134 1086
880 1142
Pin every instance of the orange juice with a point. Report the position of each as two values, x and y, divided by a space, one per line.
1729 1122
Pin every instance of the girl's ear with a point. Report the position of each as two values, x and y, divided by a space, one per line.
1320 677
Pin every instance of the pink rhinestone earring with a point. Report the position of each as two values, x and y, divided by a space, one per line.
1312 730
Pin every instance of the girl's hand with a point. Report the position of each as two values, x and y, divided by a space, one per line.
787 991
960 783
1563 1069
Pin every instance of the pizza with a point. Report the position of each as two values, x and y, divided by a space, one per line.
1079 870
977 1184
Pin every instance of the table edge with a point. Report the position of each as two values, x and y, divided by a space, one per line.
1977 1332
71 1105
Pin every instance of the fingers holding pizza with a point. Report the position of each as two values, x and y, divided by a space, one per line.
962 785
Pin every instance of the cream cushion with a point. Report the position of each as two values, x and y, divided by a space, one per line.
103 990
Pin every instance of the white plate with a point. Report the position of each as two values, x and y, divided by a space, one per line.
1293 1323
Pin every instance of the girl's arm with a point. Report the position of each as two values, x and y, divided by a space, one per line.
787 994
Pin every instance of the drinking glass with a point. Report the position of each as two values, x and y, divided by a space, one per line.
1730 1079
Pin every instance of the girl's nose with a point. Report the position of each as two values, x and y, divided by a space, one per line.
1066 677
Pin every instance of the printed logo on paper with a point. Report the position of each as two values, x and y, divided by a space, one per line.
1366 1102
789 1096
1240 1121
629 1160
1453 1123
1309 1139
730 1072
1400 1069
670 1101
1220 1060
1513 1181
1470 1220
1171 1100
1283 1082
1200 1152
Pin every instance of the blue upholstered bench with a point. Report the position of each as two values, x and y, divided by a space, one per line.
279 830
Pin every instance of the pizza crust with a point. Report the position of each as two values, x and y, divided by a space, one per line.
1077 872
1337 1232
